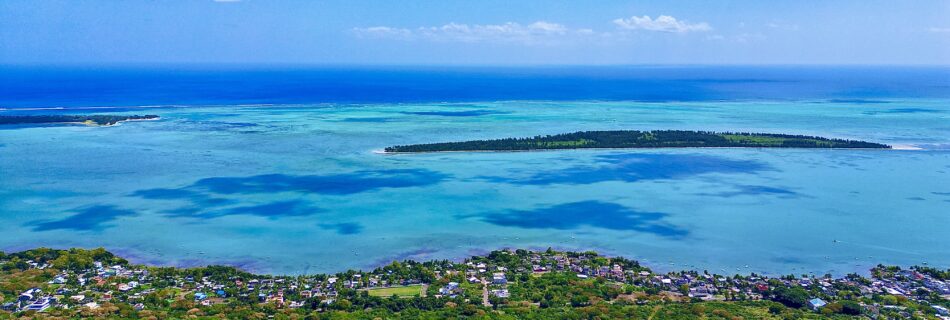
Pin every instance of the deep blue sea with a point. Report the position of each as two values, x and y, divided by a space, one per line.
273 168
228 85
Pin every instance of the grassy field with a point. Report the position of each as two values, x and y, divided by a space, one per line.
402 291
771 141
572 143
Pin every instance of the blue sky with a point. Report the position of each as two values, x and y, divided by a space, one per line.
485 32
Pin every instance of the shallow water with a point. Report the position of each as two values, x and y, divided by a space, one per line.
297 188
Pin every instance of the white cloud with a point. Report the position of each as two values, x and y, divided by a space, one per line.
939 30
547 27
383 32
661 24
540 32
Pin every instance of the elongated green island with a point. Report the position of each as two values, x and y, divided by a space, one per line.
96 119
641 139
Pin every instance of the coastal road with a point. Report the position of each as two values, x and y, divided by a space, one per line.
485 293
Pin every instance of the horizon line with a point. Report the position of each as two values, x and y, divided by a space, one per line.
450 65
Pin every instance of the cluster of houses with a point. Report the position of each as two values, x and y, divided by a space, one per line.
84 291
490 281
125 284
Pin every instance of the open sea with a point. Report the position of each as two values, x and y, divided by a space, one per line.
273 168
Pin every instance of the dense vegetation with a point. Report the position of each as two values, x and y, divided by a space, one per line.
641 139
101 120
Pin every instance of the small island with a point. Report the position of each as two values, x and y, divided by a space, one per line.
93 120
641 139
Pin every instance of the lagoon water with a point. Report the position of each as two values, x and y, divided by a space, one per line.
295 187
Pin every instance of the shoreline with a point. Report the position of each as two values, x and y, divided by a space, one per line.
254 265
257 266
84 123
892 148
906 147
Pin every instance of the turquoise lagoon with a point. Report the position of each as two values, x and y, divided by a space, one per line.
299 189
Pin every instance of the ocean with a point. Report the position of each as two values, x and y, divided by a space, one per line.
272 168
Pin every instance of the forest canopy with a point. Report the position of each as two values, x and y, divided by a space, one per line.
641 139
101 120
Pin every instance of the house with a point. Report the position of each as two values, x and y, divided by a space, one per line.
816 303
200 296
941 310
60 279
40 304
28 295
501 293
498 278
699 292
450 289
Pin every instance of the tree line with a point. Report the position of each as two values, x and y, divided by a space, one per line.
102 120
640 139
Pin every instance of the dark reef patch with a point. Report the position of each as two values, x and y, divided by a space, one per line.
180 194
207 198
466 113
753 190
416 254
368 120
587 213
787 260
337 184
858 101
273 210
632 167
292 208
903 111
345 228
221 124
95 218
